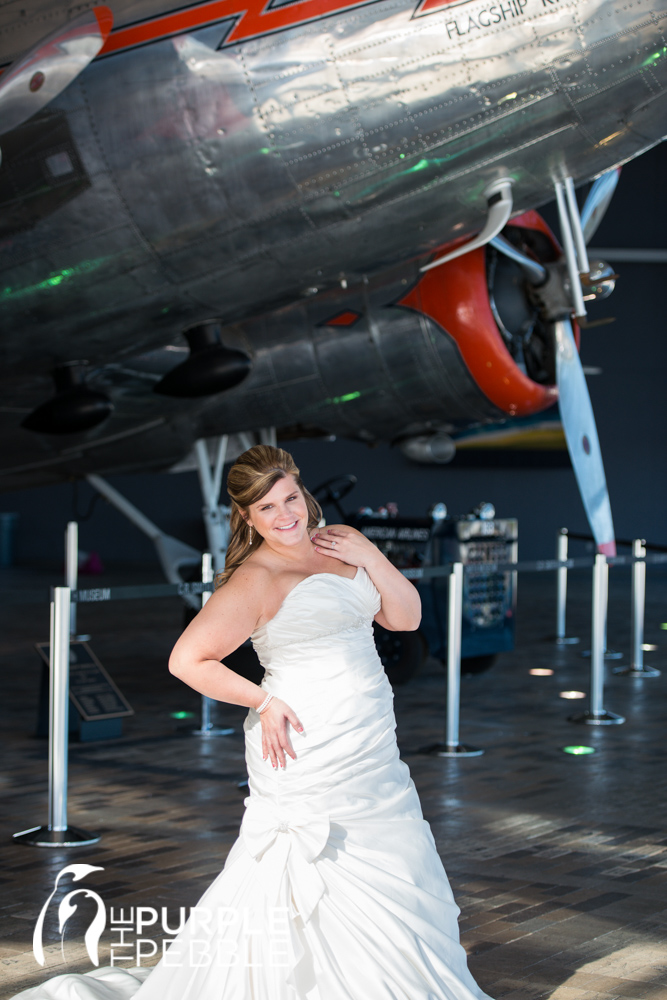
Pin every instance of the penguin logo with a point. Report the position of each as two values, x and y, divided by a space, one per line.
66 909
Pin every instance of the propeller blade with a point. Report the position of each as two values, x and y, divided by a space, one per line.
597 201
581 435
535 272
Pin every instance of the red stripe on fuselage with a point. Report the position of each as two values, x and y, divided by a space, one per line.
255 18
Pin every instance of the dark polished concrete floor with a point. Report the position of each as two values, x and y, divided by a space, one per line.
558 862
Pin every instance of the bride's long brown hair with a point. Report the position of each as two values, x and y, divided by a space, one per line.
250 478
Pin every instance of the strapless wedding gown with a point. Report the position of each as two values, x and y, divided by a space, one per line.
334 889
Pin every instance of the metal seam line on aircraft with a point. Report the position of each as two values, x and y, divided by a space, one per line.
251 256
56 278
256 18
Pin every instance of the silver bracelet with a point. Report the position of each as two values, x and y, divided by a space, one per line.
264 704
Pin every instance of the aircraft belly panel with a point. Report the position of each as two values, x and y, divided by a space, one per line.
407 371
327 212
98 205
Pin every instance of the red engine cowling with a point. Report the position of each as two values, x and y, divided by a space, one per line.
458 297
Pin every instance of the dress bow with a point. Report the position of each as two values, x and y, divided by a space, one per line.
287 844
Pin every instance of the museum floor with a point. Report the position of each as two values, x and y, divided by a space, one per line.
558 862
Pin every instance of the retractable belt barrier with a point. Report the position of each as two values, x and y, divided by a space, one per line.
597 714
527 566
94 595
59 834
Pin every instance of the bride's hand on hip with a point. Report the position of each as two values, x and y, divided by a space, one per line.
275 738
344 543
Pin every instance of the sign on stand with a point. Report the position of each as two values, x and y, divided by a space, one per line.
99 704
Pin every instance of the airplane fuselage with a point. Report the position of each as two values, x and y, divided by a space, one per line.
220 178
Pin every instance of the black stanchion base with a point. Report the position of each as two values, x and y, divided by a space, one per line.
42 836
609 654
213 731
451 750
634 672
597 719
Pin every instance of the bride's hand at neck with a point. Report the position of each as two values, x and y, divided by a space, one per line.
281 518
401 605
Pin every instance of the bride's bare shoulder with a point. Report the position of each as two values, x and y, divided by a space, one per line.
252 577
247 587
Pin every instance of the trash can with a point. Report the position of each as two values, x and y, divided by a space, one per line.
7 539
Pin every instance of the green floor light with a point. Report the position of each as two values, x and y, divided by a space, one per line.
182 715
578 751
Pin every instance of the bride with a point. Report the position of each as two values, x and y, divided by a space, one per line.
334 889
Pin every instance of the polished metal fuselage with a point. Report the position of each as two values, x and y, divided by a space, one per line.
226 180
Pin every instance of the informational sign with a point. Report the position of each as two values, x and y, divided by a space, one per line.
92 691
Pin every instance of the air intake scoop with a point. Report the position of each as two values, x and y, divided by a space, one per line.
211 367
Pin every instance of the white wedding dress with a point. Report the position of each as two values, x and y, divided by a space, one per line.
334 889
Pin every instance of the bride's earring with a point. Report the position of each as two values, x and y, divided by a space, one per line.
249 534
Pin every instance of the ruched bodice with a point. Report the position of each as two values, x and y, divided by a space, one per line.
334 889
356 604
319 656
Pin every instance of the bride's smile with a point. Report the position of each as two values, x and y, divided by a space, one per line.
280 517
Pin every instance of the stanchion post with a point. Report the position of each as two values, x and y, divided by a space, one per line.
451 747
599 632
561 591
454 623
206 727
72 573
607 654
59 709
72 567
638 602
57 833
597 715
